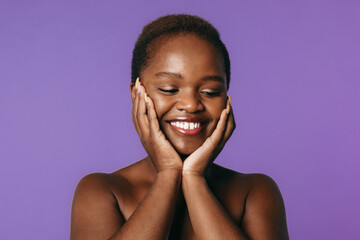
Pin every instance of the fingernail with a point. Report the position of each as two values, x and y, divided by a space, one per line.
228 105
137 83
145 97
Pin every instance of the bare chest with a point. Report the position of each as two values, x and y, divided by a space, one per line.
181 227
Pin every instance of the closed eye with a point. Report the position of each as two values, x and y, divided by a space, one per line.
169 91
211 94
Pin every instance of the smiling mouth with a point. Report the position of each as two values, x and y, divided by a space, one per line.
187 127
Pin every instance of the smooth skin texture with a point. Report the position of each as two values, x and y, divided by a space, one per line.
177 192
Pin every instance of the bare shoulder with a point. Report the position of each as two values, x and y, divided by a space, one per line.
248 183
261 183
91 189
111 185
99 185
265 211
95 210
93 182
259 202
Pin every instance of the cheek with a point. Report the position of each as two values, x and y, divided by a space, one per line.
162 105
216 109
217 113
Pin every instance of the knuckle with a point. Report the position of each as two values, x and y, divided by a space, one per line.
152 117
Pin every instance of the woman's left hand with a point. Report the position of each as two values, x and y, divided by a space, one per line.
198 161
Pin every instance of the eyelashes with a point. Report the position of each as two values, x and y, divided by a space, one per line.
174 91
211 94
169 91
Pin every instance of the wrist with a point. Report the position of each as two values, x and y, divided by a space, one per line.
192 181
169 173
192 176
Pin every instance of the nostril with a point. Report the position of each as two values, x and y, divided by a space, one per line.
190 105
189 101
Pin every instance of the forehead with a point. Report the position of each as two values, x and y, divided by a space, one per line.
187 51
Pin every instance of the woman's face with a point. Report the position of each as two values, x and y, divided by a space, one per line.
186 80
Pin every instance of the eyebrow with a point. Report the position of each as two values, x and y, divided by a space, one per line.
169 74
178 75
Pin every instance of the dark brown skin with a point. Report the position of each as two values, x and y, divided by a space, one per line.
177 192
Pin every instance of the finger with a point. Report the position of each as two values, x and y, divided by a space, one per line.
152 116
208 151
220 127
230 127
134 88
135 109
218 133
141 114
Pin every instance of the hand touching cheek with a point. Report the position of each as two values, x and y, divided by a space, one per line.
198 161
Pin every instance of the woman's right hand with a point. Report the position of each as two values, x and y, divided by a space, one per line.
160 151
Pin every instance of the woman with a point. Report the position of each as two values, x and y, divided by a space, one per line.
181 111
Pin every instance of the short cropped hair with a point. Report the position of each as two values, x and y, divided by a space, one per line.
169 26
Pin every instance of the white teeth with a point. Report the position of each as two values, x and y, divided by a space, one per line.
186 125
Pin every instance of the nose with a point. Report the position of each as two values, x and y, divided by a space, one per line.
190 102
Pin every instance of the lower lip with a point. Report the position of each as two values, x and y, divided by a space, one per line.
187 132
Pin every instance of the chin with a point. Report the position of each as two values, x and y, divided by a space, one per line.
184 152
185 144
184 149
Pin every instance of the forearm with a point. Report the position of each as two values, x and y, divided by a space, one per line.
208 218
153 217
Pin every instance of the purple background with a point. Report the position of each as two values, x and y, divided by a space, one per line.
65 108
